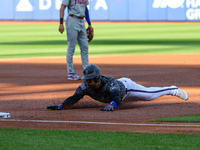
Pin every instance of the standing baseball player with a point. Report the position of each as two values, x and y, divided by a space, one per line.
76 31
109 90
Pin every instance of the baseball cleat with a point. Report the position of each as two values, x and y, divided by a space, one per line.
73 76
182 94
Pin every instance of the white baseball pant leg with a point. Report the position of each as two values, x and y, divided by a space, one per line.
83 43
72 34
146 93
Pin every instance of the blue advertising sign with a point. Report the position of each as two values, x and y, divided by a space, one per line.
43 10
24 9
7 10
99 10
56 10
155 12
118 10
137 10
177 10
105 10
173 13
192 10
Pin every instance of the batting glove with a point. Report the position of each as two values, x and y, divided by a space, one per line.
55 107
111 107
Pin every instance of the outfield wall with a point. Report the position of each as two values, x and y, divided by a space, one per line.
105 10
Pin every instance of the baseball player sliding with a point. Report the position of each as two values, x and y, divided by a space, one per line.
109 90
75 27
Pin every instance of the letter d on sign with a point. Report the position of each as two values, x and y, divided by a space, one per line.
44 4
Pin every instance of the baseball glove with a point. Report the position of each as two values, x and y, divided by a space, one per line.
90 33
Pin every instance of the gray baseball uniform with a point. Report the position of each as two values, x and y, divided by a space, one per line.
75 27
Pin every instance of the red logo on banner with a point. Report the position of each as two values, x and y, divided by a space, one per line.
80 1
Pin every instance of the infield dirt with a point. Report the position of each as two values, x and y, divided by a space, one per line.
28 85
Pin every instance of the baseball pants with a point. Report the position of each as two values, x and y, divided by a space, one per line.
146 93
76 32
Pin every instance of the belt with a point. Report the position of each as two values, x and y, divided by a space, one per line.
77 17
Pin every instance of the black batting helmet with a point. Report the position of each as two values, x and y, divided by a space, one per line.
92 72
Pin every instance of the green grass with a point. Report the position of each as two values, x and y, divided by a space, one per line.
24 40
28 139
44 40
195 118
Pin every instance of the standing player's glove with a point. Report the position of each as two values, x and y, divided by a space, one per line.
111 107
90 33
55 107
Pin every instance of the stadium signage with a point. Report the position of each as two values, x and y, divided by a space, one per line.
105 10
192 12
25 5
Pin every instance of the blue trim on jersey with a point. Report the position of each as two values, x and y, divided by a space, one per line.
87 17
132 90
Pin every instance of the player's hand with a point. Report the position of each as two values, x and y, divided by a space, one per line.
55 107
61 28
111 107
108 108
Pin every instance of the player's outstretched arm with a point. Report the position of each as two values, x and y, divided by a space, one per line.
69 101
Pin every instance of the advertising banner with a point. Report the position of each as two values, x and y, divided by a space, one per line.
105 10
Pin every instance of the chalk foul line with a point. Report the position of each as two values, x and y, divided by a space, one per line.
102 123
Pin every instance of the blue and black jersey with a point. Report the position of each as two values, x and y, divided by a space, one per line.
110 90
